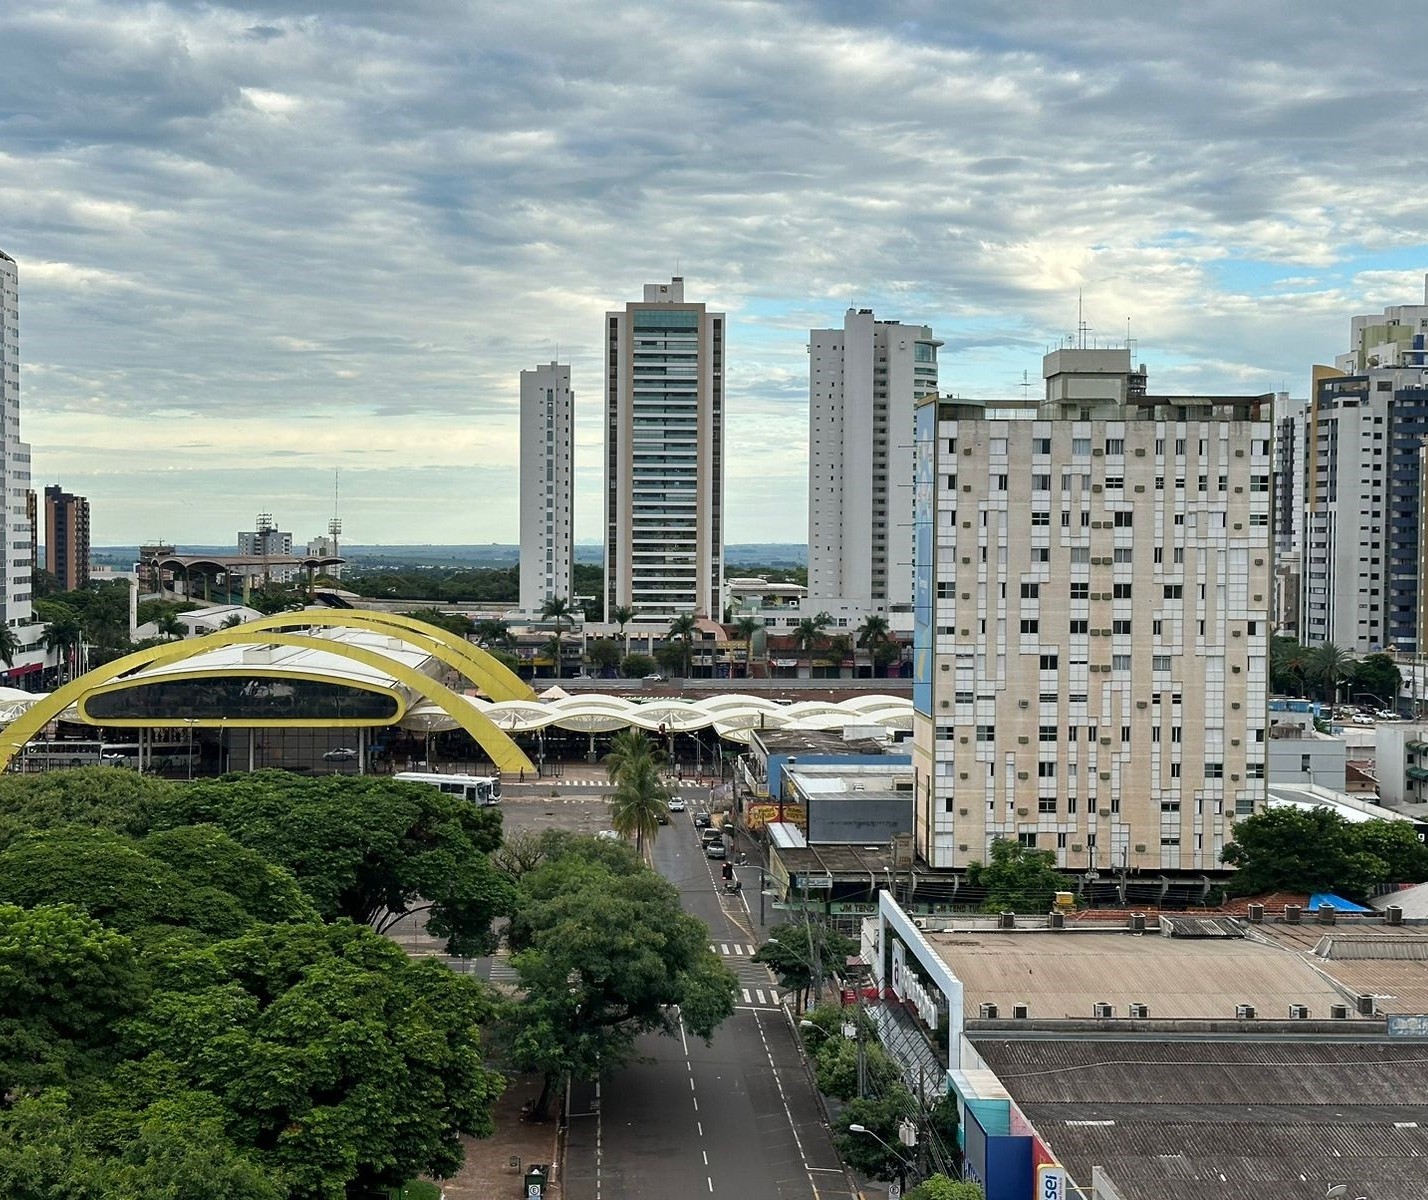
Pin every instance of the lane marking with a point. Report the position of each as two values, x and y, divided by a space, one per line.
787 1112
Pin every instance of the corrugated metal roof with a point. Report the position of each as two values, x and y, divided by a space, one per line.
1264 1120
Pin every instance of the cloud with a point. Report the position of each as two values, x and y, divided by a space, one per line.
331 234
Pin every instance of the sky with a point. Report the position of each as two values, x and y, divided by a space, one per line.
266 245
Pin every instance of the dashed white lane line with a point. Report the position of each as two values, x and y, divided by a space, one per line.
787 1112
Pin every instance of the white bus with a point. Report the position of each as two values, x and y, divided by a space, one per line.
157 756
48 756
479 789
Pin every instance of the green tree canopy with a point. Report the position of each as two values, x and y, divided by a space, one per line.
637 666
1017 878
799 950
1317 850
604 653
461 626
941 1187
364 848
606 951
1378 675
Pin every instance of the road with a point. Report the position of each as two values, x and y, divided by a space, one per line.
736 1118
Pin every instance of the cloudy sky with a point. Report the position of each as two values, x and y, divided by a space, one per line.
262 241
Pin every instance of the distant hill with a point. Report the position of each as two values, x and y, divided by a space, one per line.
494 554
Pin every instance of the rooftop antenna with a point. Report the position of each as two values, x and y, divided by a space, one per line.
334 526
1025 387
1082 329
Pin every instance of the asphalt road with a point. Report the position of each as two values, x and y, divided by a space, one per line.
736 1118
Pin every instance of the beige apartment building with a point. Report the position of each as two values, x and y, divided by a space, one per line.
1092 609
664 457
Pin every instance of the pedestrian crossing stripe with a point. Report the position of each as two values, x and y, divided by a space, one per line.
762 998
732 950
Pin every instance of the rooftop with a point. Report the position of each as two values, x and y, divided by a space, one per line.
1270 1119
815 741
1063 974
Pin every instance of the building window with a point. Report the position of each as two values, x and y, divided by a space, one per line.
1048 662
1048 733
1120 627
1115 445
1031 626
1046 770
1080 591
1122 520
1081 447
1120 591
1080 626
986 733
1031 591
1046 804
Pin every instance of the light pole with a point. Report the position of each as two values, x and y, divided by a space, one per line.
902 1163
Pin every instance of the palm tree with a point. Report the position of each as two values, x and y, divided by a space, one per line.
169 626
640 797
875 637
623 614
1329 666
683 628
62 635
10 645
808 633
1287 662
557 608
747 627
629 750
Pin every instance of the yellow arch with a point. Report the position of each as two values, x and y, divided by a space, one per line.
495 741
479 666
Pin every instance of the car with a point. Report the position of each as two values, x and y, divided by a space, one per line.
608 835
340 754
702 820
662 816
654 677
715 850
676 805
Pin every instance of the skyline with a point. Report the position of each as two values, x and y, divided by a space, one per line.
252 237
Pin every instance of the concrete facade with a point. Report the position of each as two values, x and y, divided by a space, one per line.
664 456
1092 624
547 486
66 538
17 530
863 383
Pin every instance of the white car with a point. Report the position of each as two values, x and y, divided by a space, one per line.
654 677
340 754
608 835
676 805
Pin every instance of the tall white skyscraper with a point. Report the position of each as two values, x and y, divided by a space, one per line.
864 381
18 533
1092 622
664 456
547 486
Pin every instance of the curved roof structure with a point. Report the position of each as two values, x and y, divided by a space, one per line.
731 716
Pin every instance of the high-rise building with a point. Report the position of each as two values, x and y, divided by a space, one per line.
547 486
664 456
268 541
1291 428
66 538
17 531
1363 492
1091 622
864 381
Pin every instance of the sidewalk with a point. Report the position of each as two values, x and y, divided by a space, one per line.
487 1173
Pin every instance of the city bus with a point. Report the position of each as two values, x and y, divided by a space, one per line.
157 756
49 756
479 789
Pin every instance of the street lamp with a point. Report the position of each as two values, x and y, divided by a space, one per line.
902 1163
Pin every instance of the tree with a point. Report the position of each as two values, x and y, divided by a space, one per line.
344 1064
1378 675
456 623
170 627
557 609
606 952
876 1157
9 645
1287 663
1316 850
622 615
1329 667
875 637
490 633
682 629
637 666
670 658
604 654
802 954
367 849
640 796
809 633
1017 878
62 636
747 628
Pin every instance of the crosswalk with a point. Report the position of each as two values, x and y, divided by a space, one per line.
732 950
761 998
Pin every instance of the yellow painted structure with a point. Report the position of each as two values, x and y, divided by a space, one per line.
127 672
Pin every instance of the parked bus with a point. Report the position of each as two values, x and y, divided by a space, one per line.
158 756
479 789
49 756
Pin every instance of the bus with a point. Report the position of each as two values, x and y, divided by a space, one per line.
479 789
50 756
157 756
